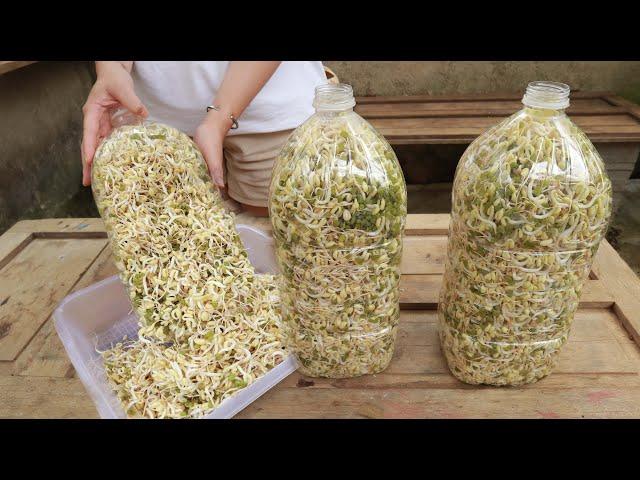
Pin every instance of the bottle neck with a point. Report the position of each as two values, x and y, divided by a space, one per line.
548 97
334 98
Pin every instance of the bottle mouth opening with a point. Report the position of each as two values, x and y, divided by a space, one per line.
547 95
330 97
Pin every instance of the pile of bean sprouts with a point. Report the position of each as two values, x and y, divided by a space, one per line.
338 209
531 203
208 323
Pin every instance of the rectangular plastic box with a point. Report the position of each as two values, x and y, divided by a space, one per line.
100 315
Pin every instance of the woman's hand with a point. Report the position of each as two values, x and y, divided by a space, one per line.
242 82
209 137
113 89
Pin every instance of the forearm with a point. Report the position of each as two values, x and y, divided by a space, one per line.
104 67
241 83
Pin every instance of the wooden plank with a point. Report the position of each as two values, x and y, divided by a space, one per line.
11 244
427 381
612 125
474 109
51 226
418 327
424 255
596 377
427 224
45 355
421 292
591 347
576 357
7 66
34 282
33 397
570 402
623 285
632 108
496 96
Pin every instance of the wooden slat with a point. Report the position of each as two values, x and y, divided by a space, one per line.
568 402
10 245
576 357
427 381
475 109
620 127
418 327
498 96
623 285
34 282
631 107
596 377
45 355
421 292
460 119
51 226
427 224
424 255
43 397
7 66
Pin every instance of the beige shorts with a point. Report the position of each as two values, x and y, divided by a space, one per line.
249 160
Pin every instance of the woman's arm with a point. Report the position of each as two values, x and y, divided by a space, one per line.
113 88
242 82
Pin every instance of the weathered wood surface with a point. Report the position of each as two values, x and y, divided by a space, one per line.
598 375
7 66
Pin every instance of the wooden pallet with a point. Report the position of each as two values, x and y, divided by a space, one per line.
42 261
612 123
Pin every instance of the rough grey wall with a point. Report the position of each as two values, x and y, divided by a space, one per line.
40 135
441 77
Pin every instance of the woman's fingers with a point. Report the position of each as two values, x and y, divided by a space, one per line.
215 168
90 126
86 173
213 156
210 143
105 127
130 101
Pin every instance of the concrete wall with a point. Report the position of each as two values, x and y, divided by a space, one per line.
40 135
440 78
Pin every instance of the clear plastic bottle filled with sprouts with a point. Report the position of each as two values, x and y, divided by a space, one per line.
531 203
338 206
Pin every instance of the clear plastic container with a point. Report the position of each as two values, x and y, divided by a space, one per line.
338 207
531 203
99 316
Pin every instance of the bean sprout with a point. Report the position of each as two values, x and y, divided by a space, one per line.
531 203
338 209
208 323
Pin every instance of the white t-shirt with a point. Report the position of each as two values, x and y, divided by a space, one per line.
177 93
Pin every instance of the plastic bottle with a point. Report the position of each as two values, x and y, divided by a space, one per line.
531 203
338 210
